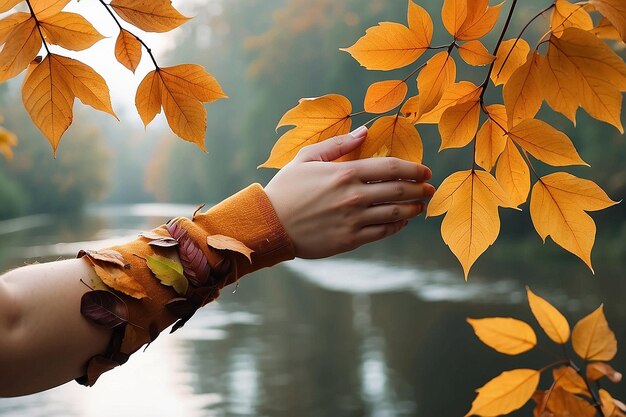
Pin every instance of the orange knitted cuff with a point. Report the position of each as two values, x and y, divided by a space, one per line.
163 277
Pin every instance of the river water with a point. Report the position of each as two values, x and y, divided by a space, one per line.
380 332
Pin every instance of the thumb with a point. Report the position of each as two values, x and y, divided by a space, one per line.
334 148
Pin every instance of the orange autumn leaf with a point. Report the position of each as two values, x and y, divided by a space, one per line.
599 370
549 318
49 91
474 53
505 335
592 338
566 14
568 379
385 95
610 406
596 74
606 30
472 223
513 174
455 94
545 143
180 91
47 8
420 23
70 31
221 242
438 74
411 109
506 393
128 50
480 20
9 23
561 403
315 120
453 14
117 279
397 135
459 124
556 86
388 46
8 140
558 209
6 5
615 12
21 47
523 91
491 138
149 15
511 55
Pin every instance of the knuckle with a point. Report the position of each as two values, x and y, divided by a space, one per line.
395 212
400 191
393 165
355 200
346 176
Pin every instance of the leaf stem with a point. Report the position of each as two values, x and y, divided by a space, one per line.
148 49
597 404
32 13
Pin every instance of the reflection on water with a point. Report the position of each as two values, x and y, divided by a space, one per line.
374 334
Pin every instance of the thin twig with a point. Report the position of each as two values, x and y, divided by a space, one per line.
32 13
597 404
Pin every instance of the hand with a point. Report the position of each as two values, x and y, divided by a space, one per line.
329 208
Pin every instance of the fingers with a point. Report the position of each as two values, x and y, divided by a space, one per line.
388 169
397 191
373 233
334 148
390 213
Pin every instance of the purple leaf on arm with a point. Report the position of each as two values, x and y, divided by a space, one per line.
104 308
195 264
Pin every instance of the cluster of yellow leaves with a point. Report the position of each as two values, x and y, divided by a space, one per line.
572 392
54 81
578 69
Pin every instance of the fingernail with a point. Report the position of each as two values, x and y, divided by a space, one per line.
428 174
359 133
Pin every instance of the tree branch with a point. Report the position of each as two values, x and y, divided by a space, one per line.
32 13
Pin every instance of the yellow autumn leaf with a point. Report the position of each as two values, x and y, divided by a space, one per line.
117 278
49 91
6 5
513 174
505 335
70 31
180 91
595 74
599 370
506 393
388 46
420 23
592 338
561 403
128 50
511 55
568 379
438 74
557 208
549 318
457 93
47 8
480 20
556 86
397 135
315 120
21 47
472 224
491 138
459 124
8 140
169 273
610 406
9 23
149 15
453 14
615 12
385 95
523 92
566 14
545 143
475 53
411 109
606 30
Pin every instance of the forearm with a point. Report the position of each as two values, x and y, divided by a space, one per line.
45 340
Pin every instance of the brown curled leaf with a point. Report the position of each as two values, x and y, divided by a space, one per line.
159 233
182 307
104 308
164 243
105 255
97 366
221 242
195 213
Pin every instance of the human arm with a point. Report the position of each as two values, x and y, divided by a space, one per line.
325 208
